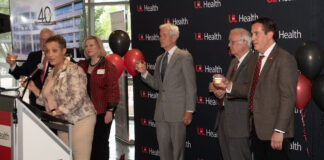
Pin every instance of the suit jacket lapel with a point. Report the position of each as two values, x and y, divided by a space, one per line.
158 67
268 63
243 63
230 69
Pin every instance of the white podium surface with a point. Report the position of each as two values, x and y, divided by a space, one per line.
35 141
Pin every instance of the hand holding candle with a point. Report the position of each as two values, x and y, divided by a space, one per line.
219 81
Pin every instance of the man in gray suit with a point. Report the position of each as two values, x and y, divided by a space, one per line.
271 92
175 79
233 119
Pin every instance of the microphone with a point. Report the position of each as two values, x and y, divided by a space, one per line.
39 67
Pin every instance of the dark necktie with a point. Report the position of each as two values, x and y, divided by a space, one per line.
164 64
220 102
255 82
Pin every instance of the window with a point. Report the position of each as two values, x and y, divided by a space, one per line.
78 6
5 47
100 23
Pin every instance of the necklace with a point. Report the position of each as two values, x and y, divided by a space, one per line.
92 65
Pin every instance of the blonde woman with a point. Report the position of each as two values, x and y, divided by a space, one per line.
103 90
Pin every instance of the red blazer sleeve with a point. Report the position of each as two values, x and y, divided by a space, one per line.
112 91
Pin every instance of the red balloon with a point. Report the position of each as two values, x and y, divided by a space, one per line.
130 58
304 87
117 61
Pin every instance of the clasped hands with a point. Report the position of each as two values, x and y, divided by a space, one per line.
218 85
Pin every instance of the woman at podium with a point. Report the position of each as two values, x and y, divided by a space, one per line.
65 95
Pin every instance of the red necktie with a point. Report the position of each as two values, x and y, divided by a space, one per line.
234 69
220 102
44 68
255 82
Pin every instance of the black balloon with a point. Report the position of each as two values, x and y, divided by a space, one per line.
318 91
119 42
310 59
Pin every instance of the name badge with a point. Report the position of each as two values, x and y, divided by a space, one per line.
100 71
62 75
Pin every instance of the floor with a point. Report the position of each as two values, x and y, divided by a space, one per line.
117 148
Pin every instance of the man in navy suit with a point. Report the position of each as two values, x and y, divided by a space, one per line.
34 58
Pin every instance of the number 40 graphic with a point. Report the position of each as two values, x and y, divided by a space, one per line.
45 15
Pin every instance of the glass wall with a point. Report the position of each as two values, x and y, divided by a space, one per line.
99 23
5 47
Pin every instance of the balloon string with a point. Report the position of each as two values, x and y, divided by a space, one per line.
303 115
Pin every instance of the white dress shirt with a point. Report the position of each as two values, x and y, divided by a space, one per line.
171 51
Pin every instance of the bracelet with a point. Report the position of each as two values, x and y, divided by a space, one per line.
52 110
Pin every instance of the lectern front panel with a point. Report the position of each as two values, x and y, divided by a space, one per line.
5 135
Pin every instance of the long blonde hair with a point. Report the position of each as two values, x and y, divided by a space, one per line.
102 51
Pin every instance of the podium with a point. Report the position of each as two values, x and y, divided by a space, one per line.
25 133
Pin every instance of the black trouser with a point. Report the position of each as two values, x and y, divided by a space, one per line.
100 143
262 149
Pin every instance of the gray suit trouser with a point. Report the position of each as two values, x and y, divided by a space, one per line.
233 148
171 138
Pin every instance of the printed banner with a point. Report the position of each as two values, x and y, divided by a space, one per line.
204 28
28 17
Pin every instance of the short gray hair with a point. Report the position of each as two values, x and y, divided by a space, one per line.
244 35
47 30
174 30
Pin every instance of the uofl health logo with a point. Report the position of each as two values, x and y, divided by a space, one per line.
139 8
148 37
241 18
148 94
295 146
216 36
177 21
208 69
206 132
206 100
150 151
278 1
207 4
147 8
147 122
291 34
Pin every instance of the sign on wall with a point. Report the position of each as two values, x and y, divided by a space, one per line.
28 17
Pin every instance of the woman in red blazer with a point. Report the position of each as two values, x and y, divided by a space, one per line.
103 89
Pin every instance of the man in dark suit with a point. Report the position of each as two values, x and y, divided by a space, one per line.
175 79
33 59
232 122
271 91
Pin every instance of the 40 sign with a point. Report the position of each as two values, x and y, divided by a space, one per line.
45 16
